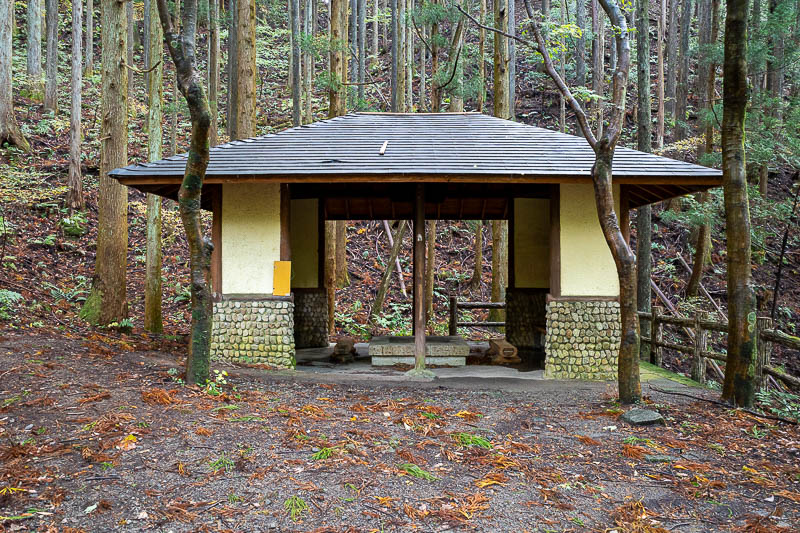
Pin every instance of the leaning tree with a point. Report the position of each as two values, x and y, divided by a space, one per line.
603 146
182 49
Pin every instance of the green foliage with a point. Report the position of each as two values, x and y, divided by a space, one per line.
413 470
323 453
215 387
780 403
469 439
8 301
295 506
75 225
223 462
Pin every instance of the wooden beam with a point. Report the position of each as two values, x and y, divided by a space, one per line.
419 278
625 214
512 257
551 177
320 244
216 240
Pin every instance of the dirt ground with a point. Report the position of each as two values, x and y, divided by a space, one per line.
98 433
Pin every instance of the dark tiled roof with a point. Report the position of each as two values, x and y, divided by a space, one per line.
455 144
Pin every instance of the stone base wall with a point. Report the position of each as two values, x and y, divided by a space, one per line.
525 317
582 339
258 330
310 318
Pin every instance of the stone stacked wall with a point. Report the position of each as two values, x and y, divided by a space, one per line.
254 331
582 339
525 317
310 318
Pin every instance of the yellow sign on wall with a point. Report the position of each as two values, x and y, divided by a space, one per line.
282 278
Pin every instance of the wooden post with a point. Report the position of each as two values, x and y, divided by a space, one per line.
453 315
700 346
763 351
657 332
419 278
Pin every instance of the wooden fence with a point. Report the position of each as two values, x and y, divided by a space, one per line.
697 330
455 305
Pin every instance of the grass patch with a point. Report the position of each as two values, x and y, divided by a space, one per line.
469 439
415 471
295 505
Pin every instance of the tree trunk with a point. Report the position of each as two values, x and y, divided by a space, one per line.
213 71
75 199
597 65
88 63
644 116
401 56
682 92
296 80
408 42
182 50
246 69
456 87
672 58
173 134
9 131
308 65
423 80
375 32
233 70
562 66
386 279
51 73
75 183
342 275
129 57
499 267
107 301
625 261
395 56
482 59
500 83
330 271
739 384
436 91
477 270
155 88
338 65
34 52
430 269
701 251
660 79
512 59
644 223
362 50
580 43
775 70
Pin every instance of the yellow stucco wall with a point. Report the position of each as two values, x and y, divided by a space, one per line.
305 243
587 267
532 243
251 236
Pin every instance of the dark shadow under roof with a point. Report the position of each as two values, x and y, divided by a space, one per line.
427 147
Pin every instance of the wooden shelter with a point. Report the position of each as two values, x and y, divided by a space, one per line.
270 196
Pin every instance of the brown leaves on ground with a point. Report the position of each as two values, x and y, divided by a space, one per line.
159 396
632 517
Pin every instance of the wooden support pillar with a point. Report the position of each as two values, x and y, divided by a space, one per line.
625 214
216 239
419 278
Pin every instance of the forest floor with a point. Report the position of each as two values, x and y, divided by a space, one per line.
97 433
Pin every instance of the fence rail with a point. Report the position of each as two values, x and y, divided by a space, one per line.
697 328
455 305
